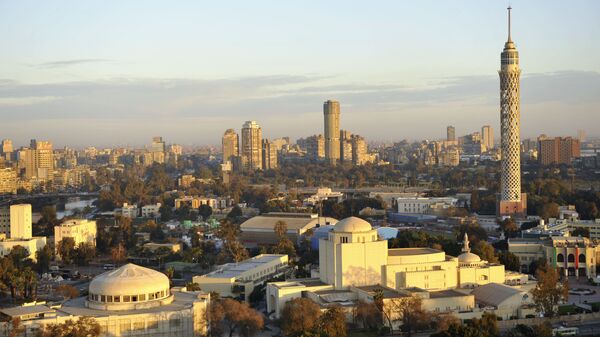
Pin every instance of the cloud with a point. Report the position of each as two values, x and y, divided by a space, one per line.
198 111
68 63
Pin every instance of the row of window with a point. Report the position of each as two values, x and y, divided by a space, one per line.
128 298
570 258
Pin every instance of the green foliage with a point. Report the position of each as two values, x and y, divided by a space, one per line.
66 250
205 211
510 261
407 239
43 258
549 290
581 231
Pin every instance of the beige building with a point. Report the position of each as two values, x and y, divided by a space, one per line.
20 221
8 181
251 151
353 260
81 230
345 146
230 144
269 155
6 151
359 150
20 231
127 301
315 147
487 137
331 112
157 150
238 280
260 230
450 133
39 160
573 256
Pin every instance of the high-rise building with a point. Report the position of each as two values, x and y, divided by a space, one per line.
6 152
39 160
511 201
345 146
331 112
230 143
558 150
450 133
581 135
20 221
487 137
269 155
359 150
158 150
251 146
315 147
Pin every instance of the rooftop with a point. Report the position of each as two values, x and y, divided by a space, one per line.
412 251
445 293
233 270
387 292
294 221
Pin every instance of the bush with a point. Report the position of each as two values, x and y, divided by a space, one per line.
498 318
384 331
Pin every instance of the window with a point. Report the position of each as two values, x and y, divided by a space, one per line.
125 325
109 299
102 298
117 298
151 296
126 298
142 297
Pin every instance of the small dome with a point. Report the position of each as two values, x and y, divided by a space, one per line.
129 279
351 225
468 257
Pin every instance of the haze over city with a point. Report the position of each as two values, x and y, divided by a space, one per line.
103 74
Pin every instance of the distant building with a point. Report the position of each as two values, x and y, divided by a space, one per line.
20 231
269 155
251 151
39 160
558 150
157 150
487 137
421 205
81 230
230 144
260 230
359 150
151 211
450 133
331 112
345 146
130 211
238 280
186 180
315 147
323 193
172 247
195 202
8 181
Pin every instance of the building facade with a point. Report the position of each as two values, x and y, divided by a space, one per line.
487 137
230 144
251 151
558 150
80 230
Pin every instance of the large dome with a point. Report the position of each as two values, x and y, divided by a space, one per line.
352 225
129 284
468 257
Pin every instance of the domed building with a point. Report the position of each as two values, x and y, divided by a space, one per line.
130 300
354 261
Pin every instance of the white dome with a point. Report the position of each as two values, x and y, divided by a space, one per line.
468 257
129 283
351 225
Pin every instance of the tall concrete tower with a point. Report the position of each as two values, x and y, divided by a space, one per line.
331 111
511 201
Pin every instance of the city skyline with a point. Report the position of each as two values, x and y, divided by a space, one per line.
126 93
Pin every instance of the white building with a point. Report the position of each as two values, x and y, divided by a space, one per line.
151 211
239 279
323 193
353 260
20 233
127 301
420 205
129 211
81 230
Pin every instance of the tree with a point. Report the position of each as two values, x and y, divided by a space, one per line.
409 311
284 245
235 213
84 253
460 330
43 258
67 291
83 327
232 249
368 315
47 221
66 250
510 261
231 316
118 254
548 210
16 328
299 317
549 290
333 322
509 227
488 323
205 211
485 251
581 231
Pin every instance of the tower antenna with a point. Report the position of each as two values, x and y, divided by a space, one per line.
509 8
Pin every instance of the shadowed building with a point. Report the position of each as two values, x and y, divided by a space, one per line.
331 111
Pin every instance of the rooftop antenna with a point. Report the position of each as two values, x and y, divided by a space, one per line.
509 8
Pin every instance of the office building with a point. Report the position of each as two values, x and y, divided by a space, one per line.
80 230
4 222
487 137
239 279
251 151
511 201
558 150
39 160
127 301
230 144
20 221
19 231
450 133
157 150
345 146
359 150
269 155
331 112
421 205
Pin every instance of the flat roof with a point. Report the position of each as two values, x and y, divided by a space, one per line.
233 270
387 292
412 251
26 310
293 221
445 293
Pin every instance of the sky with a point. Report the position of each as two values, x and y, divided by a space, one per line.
116 73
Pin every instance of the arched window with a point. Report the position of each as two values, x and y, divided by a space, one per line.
581 258
560 258
571 258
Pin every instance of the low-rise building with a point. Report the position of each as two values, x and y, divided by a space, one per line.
151 211
130 211
239 279
421 205
260 230
173 247
81 230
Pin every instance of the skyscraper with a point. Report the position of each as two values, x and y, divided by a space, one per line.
511 200
450 133
230 145
331 112
39 160
158 150
269 155
487 137
251 146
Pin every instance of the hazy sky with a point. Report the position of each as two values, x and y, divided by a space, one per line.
119 72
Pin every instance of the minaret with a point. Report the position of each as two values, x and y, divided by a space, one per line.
511 200
466 248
